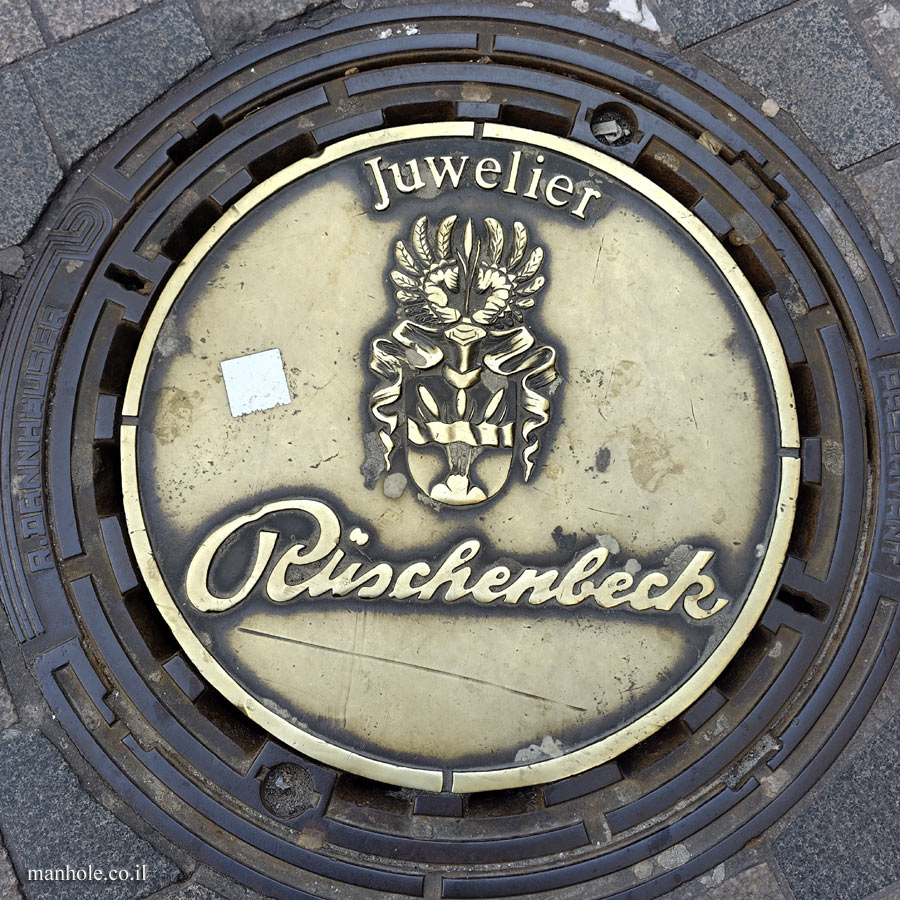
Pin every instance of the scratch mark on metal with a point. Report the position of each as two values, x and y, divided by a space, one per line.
597 264
608 512
409 665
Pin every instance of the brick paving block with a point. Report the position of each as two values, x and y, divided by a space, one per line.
232 23
808 60
694 20
883 30
50 822
845 843
880 188
29 171
66 19
97 82
19 34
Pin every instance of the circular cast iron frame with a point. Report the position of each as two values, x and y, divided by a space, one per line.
189 763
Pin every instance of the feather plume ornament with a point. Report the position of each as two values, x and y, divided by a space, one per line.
405 259
421 242
427 275
520 242
495 247
504 290
444 234
442 277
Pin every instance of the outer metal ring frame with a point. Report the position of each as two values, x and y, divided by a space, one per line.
515 776
83 627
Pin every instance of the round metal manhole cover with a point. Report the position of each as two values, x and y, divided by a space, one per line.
454 462
495 361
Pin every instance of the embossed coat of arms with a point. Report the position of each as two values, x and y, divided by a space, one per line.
465 387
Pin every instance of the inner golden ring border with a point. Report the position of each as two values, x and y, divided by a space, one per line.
514 776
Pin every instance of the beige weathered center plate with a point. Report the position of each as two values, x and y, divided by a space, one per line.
460 457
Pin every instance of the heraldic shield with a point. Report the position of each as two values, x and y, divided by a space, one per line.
464 386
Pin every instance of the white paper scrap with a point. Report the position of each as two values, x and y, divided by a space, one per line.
255 382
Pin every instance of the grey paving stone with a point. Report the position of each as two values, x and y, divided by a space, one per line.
8 714
694 20
90 86
12 261
49 822
9 883
756 882
751 884
28 168
67 19
892 892
808 60
19 34
189 891
231 23
881 187
846 843
883 30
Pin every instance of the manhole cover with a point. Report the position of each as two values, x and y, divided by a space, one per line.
451 458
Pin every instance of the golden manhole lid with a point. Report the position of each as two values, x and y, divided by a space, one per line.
460 457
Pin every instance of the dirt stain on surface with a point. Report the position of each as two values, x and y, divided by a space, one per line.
625 376
649 459
176 412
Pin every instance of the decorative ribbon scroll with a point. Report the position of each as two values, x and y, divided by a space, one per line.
512 353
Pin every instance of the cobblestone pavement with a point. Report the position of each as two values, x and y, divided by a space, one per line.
826 71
